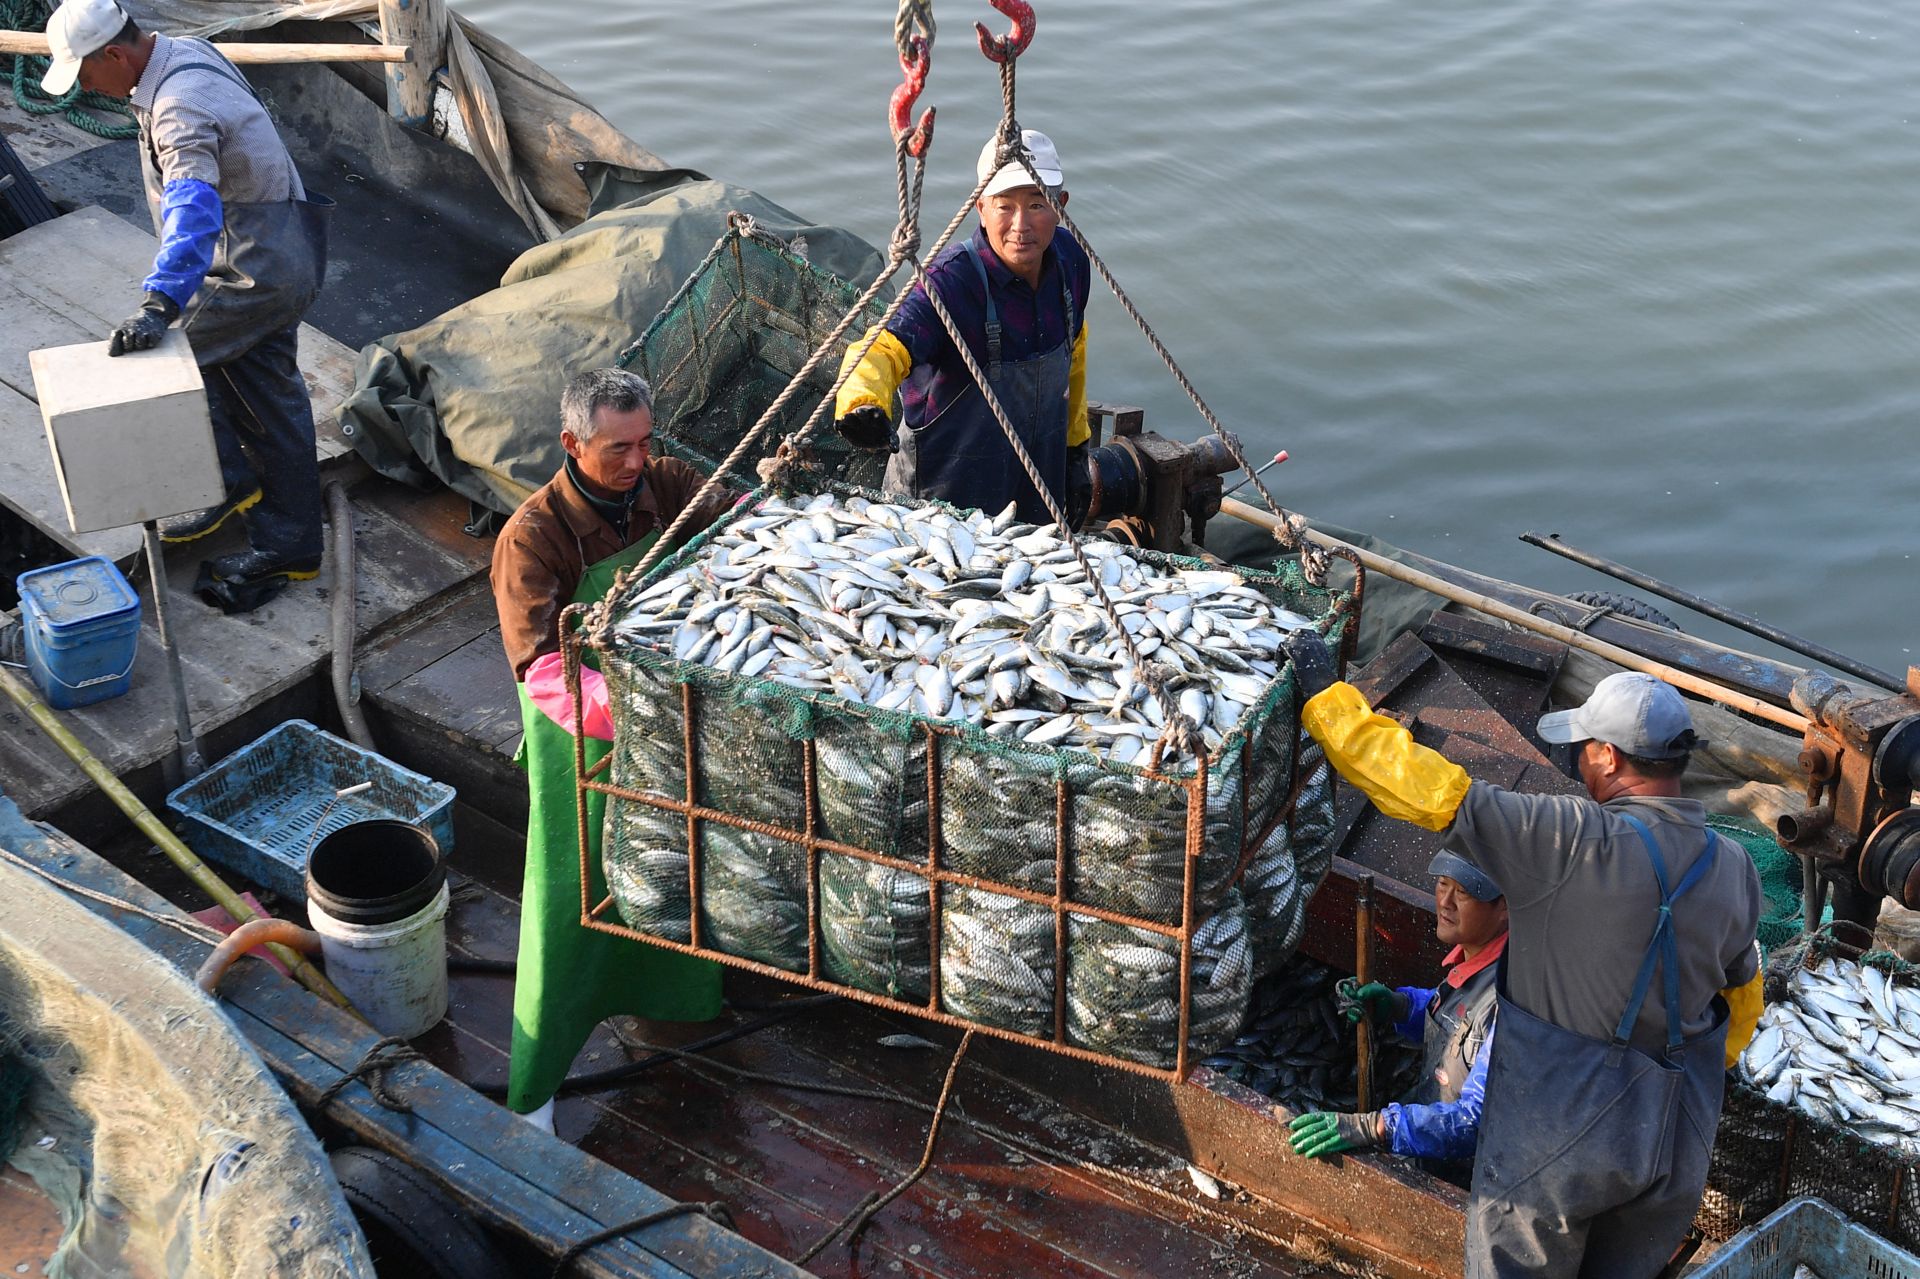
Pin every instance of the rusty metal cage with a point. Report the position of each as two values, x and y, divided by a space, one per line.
1230 808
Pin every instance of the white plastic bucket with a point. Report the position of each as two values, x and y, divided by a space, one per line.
394 974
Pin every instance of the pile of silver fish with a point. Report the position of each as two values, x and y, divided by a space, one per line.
1296 1048
964 617
1843 1047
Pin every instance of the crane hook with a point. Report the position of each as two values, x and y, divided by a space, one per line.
1011 45
913 78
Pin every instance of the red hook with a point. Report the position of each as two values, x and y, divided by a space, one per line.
1011 45
913 72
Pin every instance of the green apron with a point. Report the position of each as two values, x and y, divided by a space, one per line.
569 979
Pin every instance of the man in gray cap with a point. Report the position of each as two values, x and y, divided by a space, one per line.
242 254
1017 292
1438 1121
1630 981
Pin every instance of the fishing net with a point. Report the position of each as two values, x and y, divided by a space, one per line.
1036 891
731 340
1779 872
1766 1153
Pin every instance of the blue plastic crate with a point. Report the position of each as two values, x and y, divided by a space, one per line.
261 810
1808 1232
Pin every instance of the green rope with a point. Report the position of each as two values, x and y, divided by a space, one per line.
77 105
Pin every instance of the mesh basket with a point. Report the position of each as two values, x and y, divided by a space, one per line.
1036 893
1766 1153
731 340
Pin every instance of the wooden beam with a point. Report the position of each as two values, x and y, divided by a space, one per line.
1487 604
245 52
421 24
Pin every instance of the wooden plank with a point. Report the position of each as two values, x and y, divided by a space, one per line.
465 615
469 692
29 321
41 140
507 1173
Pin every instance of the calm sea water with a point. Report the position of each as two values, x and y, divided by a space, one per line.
1644 274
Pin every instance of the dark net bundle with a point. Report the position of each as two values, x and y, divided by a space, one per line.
643 848
871 780
753 896
996 960
733 338
1123 986
1289 865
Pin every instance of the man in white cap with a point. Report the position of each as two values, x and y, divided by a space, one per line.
242 254
1017 290
1630 981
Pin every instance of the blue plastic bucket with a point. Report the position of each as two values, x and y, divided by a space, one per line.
82 623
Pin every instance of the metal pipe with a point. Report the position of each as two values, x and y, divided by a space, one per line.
178 853
1362 974
1538 625
190 763
346 691
1719 612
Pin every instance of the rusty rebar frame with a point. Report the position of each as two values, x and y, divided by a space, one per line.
593 915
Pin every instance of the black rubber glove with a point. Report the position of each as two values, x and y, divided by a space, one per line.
144 327
1313 666
867 427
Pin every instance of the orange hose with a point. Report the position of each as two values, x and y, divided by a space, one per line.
254 933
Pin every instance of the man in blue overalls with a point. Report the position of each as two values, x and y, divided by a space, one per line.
243 251
1630 981
1017 290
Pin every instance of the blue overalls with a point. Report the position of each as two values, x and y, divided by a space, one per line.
1593 1154
962 456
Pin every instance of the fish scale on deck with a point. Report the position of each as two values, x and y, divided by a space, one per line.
859 624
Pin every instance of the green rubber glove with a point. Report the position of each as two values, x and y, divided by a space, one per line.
1320 1133
1374 1001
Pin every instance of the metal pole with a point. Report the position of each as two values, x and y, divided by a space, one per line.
189 762
1719 612
178 853
1492 607
1362 974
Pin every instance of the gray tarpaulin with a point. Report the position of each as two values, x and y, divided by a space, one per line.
526 129
472 397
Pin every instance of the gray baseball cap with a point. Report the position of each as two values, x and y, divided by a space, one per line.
1477 882
1639 714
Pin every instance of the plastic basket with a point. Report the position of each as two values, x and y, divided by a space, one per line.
1809 1232
261 810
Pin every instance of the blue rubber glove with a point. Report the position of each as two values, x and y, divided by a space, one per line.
190 221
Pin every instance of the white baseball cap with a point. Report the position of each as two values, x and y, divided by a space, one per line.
1014 174
1639 714
76 29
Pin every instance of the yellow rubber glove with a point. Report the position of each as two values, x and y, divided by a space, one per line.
1743 1015
1403 778
875 378
1078 429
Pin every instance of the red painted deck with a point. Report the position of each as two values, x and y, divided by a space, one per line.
1028 1187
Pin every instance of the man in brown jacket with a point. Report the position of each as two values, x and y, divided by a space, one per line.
610 495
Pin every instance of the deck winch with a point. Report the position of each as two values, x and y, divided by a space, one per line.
1158 490
1861 760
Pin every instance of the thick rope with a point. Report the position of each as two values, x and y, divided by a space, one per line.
77 105
865 1211
386 1052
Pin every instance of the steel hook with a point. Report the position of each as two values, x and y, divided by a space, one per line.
913 78
1011 45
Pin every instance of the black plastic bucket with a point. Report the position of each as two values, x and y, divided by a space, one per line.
375 872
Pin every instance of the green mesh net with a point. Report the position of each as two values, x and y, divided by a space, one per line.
792 767
1779 882
738 332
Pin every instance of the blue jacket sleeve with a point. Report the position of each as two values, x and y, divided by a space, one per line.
190 222
1414 1028
1448 1129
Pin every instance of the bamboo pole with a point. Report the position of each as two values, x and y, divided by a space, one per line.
1539 625
178 853
243 52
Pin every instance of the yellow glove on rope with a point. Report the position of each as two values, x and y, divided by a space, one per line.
1743 1015
876 378
1403 778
